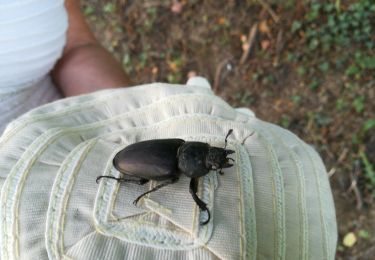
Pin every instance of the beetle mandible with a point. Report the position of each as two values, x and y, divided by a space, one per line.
166 159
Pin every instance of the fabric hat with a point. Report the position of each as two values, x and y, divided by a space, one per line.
274 203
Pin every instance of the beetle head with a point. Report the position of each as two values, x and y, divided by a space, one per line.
217 158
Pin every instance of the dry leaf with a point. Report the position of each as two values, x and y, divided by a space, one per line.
243 38
176 7
155 70
245 46
222 20
265 44
173 66
263 27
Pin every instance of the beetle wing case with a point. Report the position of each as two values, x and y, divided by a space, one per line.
152 158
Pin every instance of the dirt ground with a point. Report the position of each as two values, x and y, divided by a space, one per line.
257 55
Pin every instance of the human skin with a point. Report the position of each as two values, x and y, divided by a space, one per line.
85 65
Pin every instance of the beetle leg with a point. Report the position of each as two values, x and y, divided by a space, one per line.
137 181
142 181
167 182
219 169
193 191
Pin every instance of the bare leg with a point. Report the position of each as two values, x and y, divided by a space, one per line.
167 182
136 181
193 191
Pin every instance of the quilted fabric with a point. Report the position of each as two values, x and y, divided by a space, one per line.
274 203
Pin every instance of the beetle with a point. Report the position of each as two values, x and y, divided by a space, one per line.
165 160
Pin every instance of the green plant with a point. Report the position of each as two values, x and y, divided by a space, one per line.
322 119
88 10
285 121
359 104
339 32
152 15
296 99
127 63
369 171
362 233
369 124
314 84
341 104
109 8
244 98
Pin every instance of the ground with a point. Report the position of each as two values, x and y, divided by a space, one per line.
308 66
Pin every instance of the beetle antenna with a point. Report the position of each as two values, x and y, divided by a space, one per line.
247 137
226 138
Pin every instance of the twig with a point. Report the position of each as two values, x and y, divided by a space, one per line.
353 186
250 43
279 42
279 47
341 158
266 6
218 73
343 155
331 172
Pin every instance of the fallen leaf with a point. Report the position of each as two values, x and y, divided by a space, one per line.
350 239
177 7
245 46
173 66
222 21
265 44
154 70
263 27
243 38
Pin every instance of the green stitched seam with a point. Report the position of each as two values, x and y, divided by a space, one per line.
240 208
248 205
278 189
326 248
59 203
303 249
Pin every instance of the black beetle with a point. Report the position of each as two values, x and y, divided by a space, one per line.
165 160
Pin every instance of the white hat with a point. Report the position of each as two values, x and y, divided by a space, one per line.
275 202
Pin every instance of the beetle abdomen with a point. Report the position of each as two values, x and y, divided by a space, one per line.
152 159
192 159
